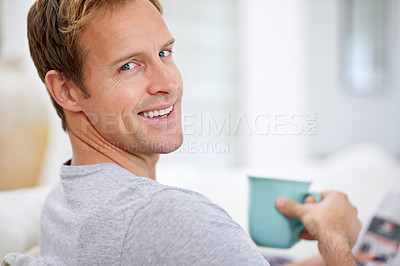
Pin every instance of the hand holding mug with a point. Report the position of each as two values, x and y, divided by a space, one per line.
333 222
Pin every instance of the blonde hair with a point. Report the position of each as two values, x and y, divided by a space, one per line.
54 27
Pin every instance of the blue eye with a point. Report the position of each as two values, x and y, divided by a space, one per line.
128 66
165 53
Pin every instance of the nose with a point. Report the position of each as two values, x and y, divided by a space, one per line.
164 78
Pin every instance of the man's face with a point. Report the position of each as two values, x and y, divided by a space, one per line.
134 85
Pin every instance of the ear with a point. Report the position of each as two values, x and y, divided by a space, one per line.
63 91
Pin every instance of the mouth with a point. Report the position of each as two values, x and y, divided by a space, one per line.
160 113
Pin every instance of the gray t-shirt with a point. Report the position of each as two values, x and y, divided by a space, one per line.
104 215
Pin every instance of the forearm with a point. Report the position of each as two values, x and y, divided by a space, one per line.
336 251
315 260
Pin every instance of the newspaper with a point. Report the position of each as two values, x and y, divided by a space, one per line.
381 234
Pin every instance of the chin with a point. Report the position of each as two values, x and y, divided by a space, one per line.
159 147
167 143
169 147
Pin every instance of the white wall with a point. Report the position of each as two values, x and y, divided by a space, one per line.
344 118
290 64
272 35
13 28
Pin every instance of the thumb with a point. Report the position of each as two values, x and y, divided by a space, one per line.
289 207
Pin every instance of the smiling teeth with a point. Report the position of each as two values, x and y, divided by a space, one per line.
156 113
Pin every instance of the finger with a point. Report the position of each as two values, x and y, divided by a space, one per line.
361 257
306 235
325 193
329 193
310 199
289 207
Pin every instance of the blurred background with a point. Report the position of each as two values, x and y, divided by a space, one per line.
265 81
270 86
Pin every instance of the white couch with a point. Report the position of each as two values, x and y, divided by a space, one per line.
19 219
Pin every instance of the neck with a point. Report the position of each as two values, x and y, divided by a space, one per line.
92 148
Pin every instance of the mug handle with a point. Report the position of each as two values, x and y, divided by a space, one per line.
317 196
300 226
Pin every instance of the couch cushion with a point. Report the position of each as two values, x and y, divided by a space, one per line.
16 259
19 218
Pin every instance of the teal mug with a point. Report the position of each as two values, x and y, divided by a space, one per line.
267 226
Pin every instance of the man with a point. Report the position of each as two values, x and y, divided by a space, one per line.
109 68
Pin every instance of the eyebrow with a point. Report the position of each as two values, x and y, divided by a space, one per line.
129 56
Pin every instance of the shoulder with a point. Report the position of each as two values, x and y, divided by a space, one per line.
182 207
178 226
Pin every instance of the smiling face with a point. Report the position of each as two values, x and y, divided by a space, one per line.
134 85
